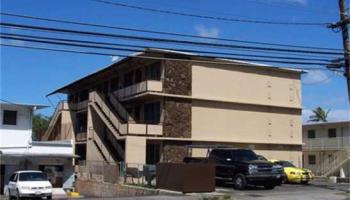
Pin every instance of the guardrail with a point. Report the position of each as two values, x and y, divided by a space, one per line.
125 128
148 85
327 143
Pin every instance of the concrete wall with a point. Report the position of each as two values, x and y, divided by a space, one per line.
229 122
20 134
246 84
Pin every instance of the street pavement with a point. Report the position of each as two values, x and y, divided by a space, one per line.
313 191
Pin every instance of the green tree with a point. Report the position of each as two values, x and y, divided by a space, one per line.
40 124
319 115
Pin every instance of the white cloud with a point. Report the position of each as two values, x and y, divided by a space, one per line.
207 32
334 115
114 58
316 77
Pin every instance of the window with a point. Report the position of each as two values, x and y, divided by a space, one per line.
311 134
138 76
312 159
9 117
83 95
13 178
128 79
152 113
81 125
244 155
153 72
332 133
137 113
115 84
152 154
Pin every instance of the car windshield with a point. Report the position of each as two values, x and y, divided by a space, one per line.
32 176
245 155
286 164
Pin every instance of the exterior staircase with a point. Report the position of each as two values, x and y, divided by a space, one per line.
61 105
341 157
109 146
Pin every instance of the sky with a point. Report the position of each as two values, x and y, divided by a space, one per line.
27 76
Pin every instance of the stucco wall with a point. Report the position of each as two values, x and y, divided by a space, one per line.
321 130
16 135
135 150
229 122
246 84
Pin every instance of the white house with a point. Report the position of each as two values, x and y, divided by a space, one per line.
19 152
326 148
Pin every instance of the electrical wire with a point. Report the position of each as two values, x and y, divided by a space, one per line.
227 62
161 32
135 50
141 47
162 40
210 17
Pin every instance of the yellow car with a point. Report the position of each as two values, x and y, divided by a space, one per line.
294 174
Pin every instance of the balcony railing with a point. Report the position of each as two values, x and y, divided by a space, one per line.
336 143
149 85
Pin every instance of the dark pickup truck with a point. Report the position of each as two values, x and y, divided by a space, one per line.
242 166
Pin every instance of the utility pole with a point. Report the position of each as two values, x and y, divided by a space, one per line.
343 25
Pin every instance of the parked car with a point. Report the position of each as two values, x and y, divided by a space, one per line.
24 184
242 167
294 174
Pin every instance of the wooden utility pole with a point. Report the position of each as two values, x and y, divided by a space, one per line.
343 25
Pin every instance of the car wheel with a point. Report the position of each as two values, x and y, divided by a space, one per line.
269 186
17 195
49 197
304 182
9 194
239 182
285 179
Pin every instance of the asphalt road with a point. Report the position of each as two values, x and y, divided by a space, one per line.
314 191
321 191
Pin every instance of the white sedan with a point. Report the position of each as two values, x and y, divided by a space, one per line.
29 184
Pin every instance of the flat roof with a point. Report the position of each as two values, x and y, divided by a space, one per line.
167 51
327 123
30 105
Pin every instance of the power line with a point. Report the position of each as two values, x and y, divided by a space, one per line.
135 50
173 49
162 40
161 32
228 62
210 17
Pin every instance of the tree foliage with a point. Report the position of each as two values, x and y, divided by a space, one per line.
40 124
319 115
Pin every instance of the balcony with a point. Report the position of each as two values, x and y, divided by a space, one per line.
336 143
144 86
79 105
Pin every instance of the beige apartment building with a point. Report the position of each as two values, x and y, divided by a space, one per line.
326 148
148 110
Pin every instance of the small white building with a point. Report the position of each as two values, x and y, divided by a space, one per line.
19 152
326 148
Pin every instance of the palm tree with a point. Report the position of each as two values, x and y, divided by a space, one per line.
319 115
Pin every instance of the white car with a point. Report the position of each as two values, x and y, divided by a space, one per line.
24 184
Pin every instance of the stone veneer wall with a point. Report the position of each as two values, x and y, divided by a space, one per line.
177 77
174 152
177 118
